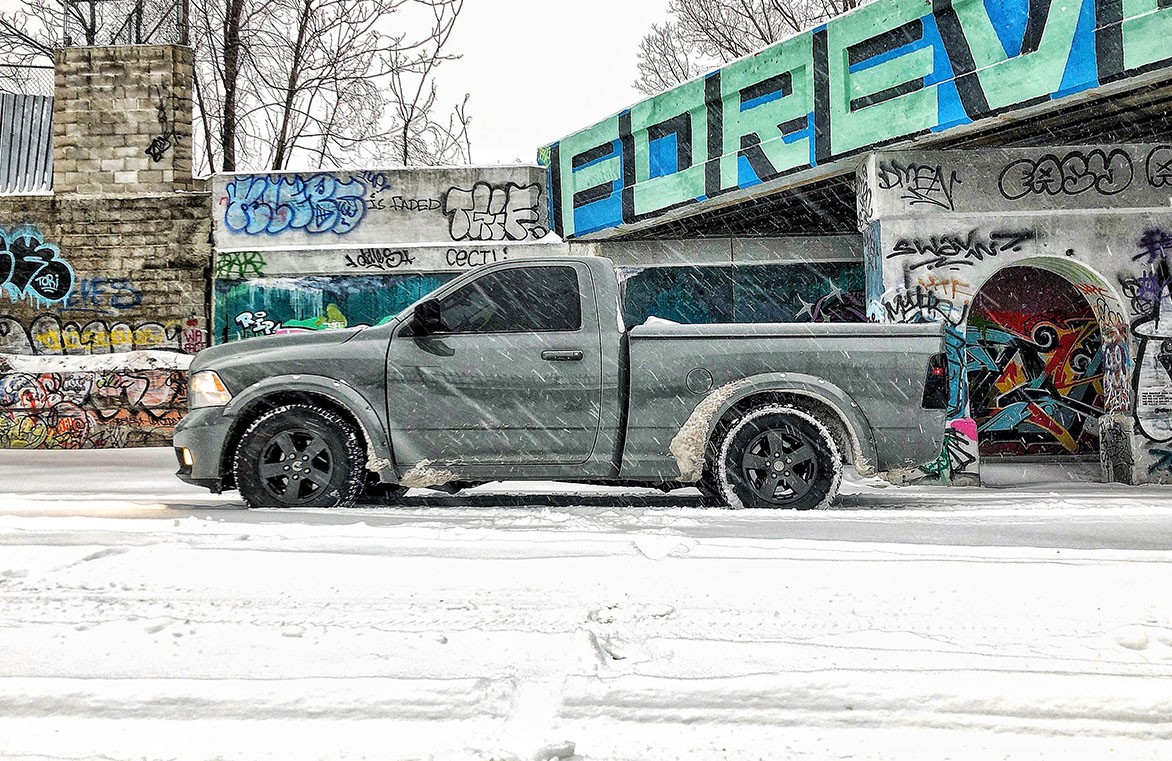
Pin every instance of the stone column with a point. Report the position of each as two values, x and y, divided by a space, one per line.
122 120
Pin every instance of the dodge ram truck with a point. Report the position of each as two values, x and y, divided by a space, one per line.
525 370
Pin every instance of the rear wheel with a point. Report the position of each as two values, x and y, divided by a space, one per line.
779 457
299 455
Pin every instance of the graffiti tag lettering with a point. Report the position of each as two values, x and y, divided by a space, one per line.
102 295
48 335
110 408
273 204
399 203
952 250
31 268
257 322
379 258
458 257
921 184
167 134
919 304
1074 173
1159 166
1154 247
238 265
490 212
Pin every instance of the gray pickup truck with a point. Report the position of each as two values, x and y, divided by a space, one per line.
525 370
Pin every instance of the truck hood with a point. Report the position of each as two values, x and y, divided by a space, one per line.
241 363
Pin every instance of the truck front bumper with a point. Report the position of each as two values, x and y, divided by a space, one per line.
203 433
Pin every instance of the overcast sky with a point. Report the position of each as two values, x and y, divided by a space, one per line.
539 69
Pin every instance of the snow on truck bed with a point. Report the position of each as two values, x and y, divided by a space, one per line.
141 618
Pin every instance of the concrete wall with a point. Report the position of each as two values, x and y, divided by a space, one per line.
888 72
695 251
115 261
939 225
302 251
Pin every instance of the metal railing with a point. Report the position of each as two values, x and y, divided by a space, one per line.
20 79
125 22
26 144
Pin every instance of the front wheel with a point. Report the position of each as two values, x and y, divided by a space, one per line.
779 457
299 455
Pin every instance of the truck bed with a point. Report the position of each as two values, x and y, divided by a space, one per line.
876 370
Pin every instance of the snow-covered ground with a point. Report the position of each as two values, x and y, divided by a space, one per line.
141 618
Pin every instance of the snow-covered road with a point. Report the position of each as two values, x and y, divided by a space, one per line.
142 618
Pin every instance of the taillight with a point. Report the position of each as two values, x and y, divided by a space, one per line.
936 384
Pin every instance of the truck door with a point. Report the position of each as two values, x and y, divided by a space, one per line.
513 375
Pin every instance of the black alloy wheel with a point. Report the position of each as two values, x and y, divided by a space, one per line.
296 466
780 465
299 455
779 457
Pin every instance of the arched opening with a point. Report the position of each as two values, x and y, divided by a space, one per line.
1037 369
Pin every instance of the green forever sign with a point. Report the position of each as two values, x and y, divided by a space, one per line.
889 71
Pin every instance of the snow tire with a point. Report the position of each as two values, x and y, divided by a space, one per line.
300 455
779 457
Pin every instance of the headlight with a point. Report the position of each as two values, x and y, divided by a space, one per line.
207 390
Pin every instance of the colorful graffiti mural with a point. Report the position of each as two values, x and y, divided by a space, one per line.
1035 366
816 292
1150 293
90 409
47 334
885 72
808 292
274 306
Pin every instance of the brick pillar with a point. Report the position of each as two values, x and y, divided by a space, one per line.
122 120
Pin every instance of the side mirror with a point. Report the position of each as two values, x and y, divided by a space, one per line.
427 318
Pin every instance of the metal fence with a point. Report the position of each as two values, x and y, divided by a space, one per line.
26 80
126 22
26 144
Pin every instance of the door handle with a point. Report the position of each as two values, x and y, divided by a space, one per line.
562 356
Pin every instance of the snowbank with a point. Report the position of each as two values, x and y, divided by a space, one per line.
137 360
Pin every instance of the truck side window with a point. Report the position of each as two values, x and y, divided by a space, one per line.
523 299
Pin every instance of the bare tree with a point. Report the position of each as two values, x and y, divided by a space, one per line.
419 138
335 76
281 83
318 82
702 34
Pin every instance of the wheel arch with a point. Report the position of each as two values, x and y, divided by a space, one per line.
326 393
825 401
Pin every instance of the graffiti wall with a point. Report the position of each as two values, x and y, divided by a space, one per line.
1035 366
103 275
79 408
462 207
276 306
807 292
1050 268
102 300
886 72
320 251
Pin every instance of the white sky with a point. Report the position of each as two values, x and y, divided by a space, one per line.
539 70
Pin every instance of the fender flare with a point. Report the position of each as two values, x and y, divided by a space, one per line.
850 414
337 391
